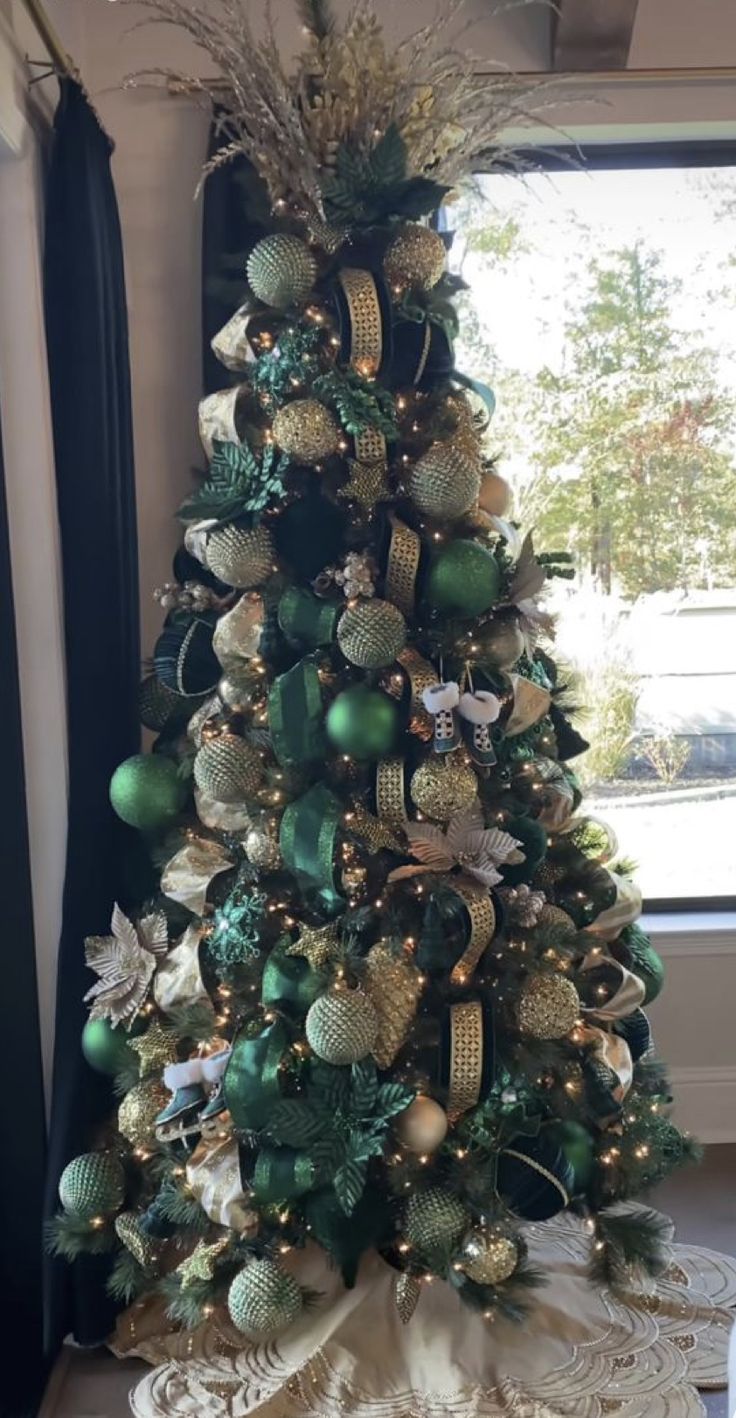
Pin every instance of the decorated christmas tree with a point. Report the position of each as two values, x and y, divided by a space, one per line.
385 990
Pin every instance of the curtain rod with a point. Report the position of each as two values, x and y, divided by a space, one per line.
57 53
714 73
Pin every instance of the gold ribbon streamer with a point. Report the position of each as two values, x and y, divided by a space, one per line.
213 1175
421 676
390 792
218 417
480 909
402 566
625 909
466 1057
366 333
613 1051
178 982
628 997
187 875
230 344
370 446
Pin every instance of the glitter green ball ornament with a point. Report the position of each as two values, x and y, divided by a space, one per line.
228 769
92 1185
281 270
106 1048
371 634
548 1007
147 792
342 1026
307 431
263 1299
445 481
415 257
488 1256
363 723
464 579
241 556
434 1222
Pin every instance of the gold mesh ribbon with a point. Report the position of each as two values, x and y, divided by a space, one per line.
479 907
402 566
390 792
370 446
366 333
466 1057
421 675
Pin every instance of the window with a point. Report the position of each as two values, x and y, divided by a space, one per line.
602 311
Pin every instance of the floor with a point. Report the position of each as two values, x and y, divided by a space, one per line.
703 1204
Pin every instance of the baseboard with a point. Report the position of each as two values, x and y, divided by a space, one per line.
705 1102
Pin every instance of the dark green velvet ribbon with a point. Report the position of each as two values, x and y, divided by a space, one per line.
307 620
296 715
289 982
282 1173
251 1081
307 838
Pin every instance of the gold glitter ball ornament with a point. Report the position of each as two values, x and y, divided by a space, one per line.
394 984
423 1125
263 1299
415 257
371 634
138 1112
262 849
342 1026
281 270
440 788
306 430
241 556
92 1185
434 1222
228 769
549 1006
445 481
494 495
488 1257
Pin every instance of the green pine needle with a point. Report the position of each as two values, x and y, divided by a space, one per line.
70 1237
627 1241
127 1279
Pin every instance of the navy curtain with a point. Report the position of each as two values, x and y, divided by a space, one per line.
87 338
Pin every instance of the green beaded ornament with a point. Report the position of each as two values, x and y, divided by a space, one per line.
147 792
263 1299
106 1048
342 1026
92 1185
464 579
281 270
434 1222
363 723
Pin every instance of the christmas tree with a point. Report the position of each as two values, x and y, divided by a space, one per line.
384 990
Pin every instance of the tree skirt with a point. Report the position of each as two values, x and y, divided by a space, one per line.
582 1353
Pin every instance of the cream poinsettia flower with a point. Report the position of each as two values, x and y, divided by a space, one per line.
466 843
125 962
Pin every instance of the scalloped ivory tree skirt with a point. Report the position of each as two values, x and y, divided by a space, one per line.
582 1352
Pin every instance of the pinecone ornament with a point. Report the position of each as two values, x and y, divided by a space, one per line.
394 984
434 1222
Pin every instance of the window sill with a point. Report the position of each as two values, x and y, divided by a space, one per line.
683 932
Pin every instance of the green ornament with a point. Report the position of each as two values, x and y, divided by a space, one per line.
533 838
363 722
576 1144
105 1047
281 270
464 579
289 983
263 1299
92 1185
645 962
147 792
434 1222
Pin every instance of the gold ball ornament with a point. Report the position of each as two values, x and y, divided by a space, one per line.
138 1112
494 496
281 270
238 686
488 1257
444 482
262 849
415 257
548 1007
306 430
371 634
227 769
241 556
341 1026
553 918
423 1125
440 788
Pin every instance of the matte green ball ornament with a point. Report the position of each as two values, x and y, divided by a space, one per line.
92 1185
464 579
263 1299
342 1026
147 792
434 1222
281 270
106 1048
363 723
371 634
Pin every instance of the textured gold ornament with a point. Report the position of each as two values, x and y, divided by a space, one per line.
482 914
138 1112
155 1048
281 270
371 634
421 675
488 1256
549 1006
241 556
373 832
423 1125
143 1248
466 1057
317 944
407 1290
402 565
366 325
201 1264
440 788
156 703
444 482
553 918
368 483
228 769
342 1026
415 257
390 792
394 984
306 430
262 849
434 1221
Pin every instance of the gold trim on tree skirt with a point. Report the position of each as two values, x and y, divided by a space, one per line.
579 1351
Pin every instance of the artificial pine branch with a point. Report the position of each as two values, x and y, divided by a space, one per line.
183 1210
127 1279
628 1240
71 1237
